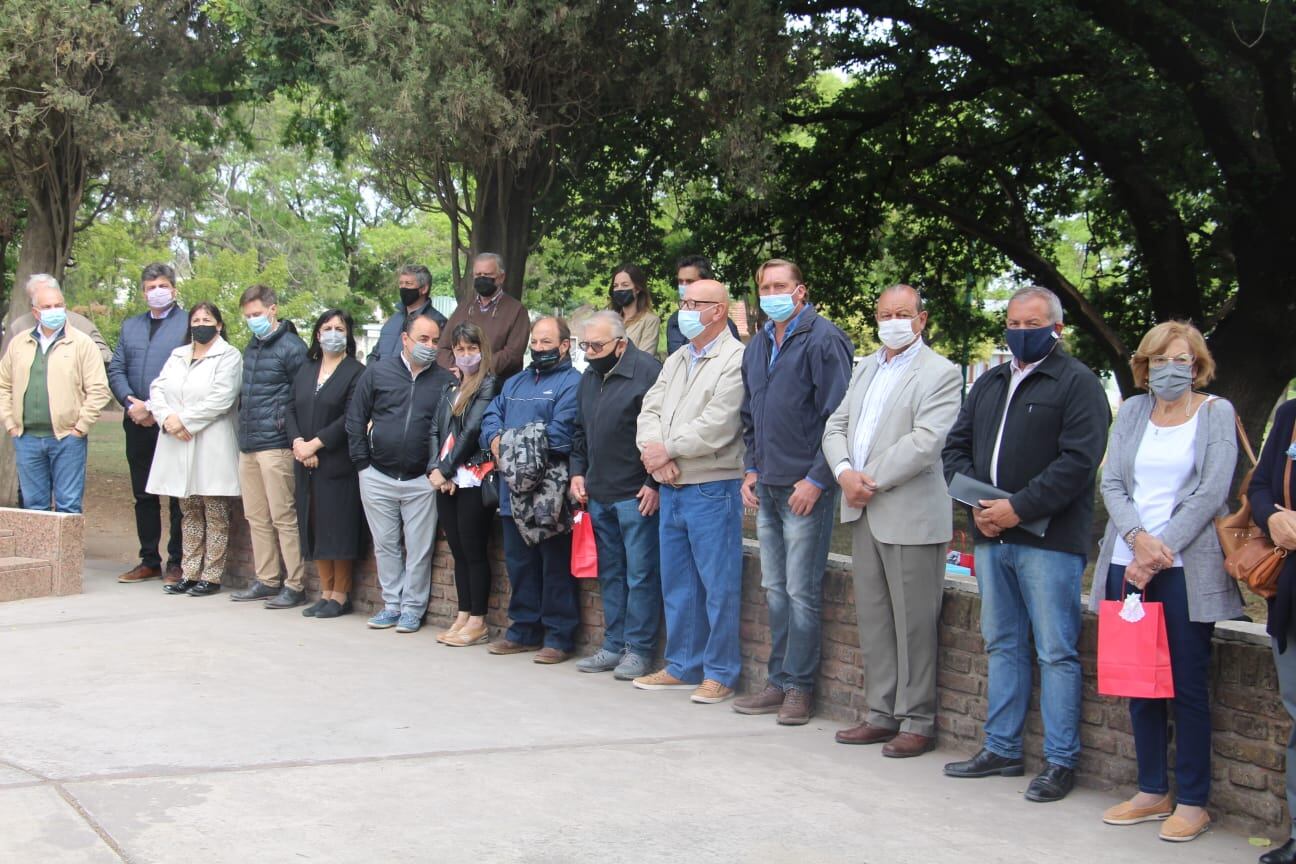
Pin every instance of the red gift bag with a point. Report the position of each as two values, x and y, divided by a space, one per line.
1133 657
584 557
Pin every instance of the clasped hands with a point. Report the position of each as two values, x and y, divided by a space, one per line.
658 463
857 488
173 426
1282 527
1151 556
440 483
306 452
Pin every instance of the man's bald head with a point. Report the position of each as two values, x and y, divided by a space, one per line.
708 290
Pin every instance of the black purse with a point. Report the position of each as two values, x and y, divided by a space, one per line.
490 493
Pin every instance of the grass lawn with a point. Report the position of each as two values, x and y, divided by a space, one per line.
106 451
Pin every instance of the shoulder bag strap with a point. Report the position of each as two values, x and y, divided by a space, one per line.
1246 442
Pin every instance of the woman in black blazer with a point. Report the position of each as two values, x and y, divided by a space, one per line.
329 514
460 464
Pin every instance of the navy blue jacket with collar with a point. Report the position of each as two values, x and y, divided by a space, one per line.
604 451
389 341
786 405
142 352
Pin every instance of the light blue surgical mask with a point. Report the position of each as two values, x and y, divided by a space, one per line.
690 323
53 319
333 341
682 288
259 325
778 306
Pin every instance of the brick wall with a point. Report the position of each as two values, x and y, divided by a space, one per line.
1251 727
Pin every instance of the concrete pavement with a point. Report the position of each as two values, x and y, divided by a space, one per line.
140 727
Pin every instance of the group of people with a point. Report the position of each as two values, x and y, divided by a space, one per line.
444 425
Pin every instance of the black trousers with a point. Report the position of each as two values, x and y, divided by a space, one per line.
141 441
467 526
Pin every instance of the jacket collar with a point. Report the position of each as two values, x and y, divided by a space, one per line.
272 338
219 346
625 367
565 363
1050 365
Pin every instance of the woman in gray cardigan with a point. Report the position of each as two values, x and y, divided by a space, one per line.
1170 460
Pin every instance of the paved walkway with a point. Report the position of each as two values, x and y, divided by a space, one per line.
139 727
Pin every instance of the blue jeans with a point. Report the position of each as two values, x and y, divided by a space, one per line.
793 554
48 465
1190 651
629 574
543 606
1027 591
701 566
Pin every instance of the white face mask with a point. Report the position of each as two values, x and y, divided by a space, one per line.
896 333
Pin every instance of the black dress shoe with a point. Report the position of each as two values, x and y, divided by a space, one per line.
986 764
1052 784
309 611
181 587
256 591
1284 854
286 599
204 588
333 609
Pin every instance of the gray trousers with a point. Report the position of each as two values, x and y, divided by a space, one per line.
1286 664
898 594
402 517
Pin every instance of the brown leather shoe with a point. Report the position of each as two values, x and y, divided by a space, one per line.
767 701
173 575
865 734
908 744
139 573
549 656
508 646
796 708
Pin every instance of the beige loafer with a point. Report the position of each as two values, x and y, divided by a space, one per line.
1126 813
1177 829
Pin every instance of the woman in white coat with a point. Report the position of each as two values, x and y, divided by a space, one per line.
194 402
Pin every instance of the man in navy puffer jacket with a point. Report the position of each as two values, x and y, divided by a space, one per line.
270 363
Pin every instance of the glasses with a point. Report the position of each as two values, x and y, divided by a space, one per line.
691 305
597 346
1161 361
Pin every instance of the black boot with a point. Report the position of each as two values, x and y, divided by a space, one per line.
1284 854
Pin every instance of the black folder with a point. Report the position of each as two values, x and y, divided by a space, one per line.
968 491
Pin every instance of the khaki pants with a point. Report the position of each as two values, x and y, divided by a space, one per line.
266 478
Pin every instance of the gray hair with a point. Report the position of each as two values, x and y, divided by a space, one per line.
892 289
1054 304
491 256
38 279
422 276
610 318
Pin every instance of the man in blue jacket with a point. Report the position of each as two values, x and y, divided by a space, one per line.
795 373
414 282
145 343
543 607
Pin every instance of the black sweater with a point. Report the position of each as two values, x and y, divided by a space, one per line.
400 408
1053 442
607 415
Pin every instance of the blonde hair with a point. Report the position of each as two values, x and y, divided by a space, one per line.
1159 338
779 262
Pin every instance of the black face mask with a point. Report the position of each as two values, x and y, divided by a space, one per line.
623 297
409 296
203 333
485 286
603 365
543 361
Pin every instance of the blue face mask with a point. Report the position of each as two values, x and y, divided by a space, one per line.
682 286
778 306
259 325
53 319
690 323
1031 345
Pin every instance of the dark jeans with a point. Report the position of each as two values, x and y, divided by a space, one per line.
1190 651
141 441
467 528
543 605
629 575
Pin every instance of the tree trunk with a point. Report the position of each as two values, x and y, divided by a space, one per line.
502 218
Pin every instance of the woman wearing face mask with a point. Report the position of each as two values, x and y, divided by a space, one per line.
1170 460
460 466
330 520
629 296
196 461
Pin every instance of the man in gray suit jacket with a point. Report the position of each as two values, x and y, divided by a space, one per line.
884 445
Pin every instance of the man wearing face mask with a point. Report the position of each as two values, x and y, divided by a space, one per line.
609 478
1035 428
52 388
270 363
502 318
25 322
794 374
688 270
388 425
690 441
884 445
414 284
542 610
143 347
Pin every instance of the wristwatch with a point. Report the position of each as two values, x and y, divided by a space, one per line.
1131 534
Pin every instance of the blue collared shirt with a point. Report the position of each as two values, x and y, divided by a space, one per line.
791 326
696 354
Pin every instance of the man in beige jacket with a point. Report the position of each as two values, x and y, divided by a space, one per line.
690 438
52 388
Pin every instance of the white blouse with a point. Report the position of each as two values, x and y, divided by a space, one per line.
1165 459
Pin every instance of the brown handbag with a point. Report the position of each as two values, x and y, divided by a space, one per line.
1249 556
